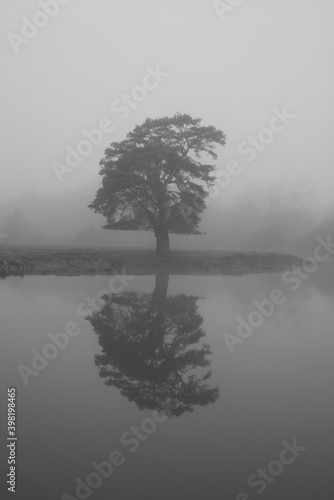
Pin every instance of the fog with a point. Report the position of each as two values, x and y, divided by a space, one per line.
232 73
276 217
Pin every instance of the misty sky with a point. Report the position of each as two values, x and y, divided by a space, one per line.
265 54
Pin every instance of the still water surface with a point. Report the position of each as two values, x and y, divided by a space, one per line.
160 341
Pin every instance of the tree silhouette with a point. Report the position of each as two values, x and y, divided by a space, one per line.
151 349
152 178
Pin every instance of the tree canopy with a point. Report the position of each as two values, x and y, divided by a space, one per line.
151 178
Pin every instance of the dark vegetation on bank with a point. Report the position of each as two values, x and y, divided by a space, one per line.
76 261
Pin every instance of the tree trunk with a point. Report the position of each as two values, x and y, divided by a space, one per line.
161 285
159 299
162 242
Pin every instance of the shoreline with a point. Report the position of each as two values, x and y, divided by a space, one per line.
78 261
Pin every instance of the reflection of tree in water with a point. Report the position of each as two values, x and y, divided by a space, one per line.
150 348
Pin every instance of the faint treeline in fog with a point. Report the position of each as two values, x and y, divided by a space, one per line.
279 217
270 218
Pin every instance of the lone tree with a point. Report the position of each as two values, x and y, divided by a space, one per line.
155 177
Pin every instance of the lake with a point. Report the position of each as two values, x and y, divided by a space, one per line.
152 393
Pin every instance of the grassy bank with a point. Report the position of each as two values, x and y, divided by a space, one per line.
75 261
